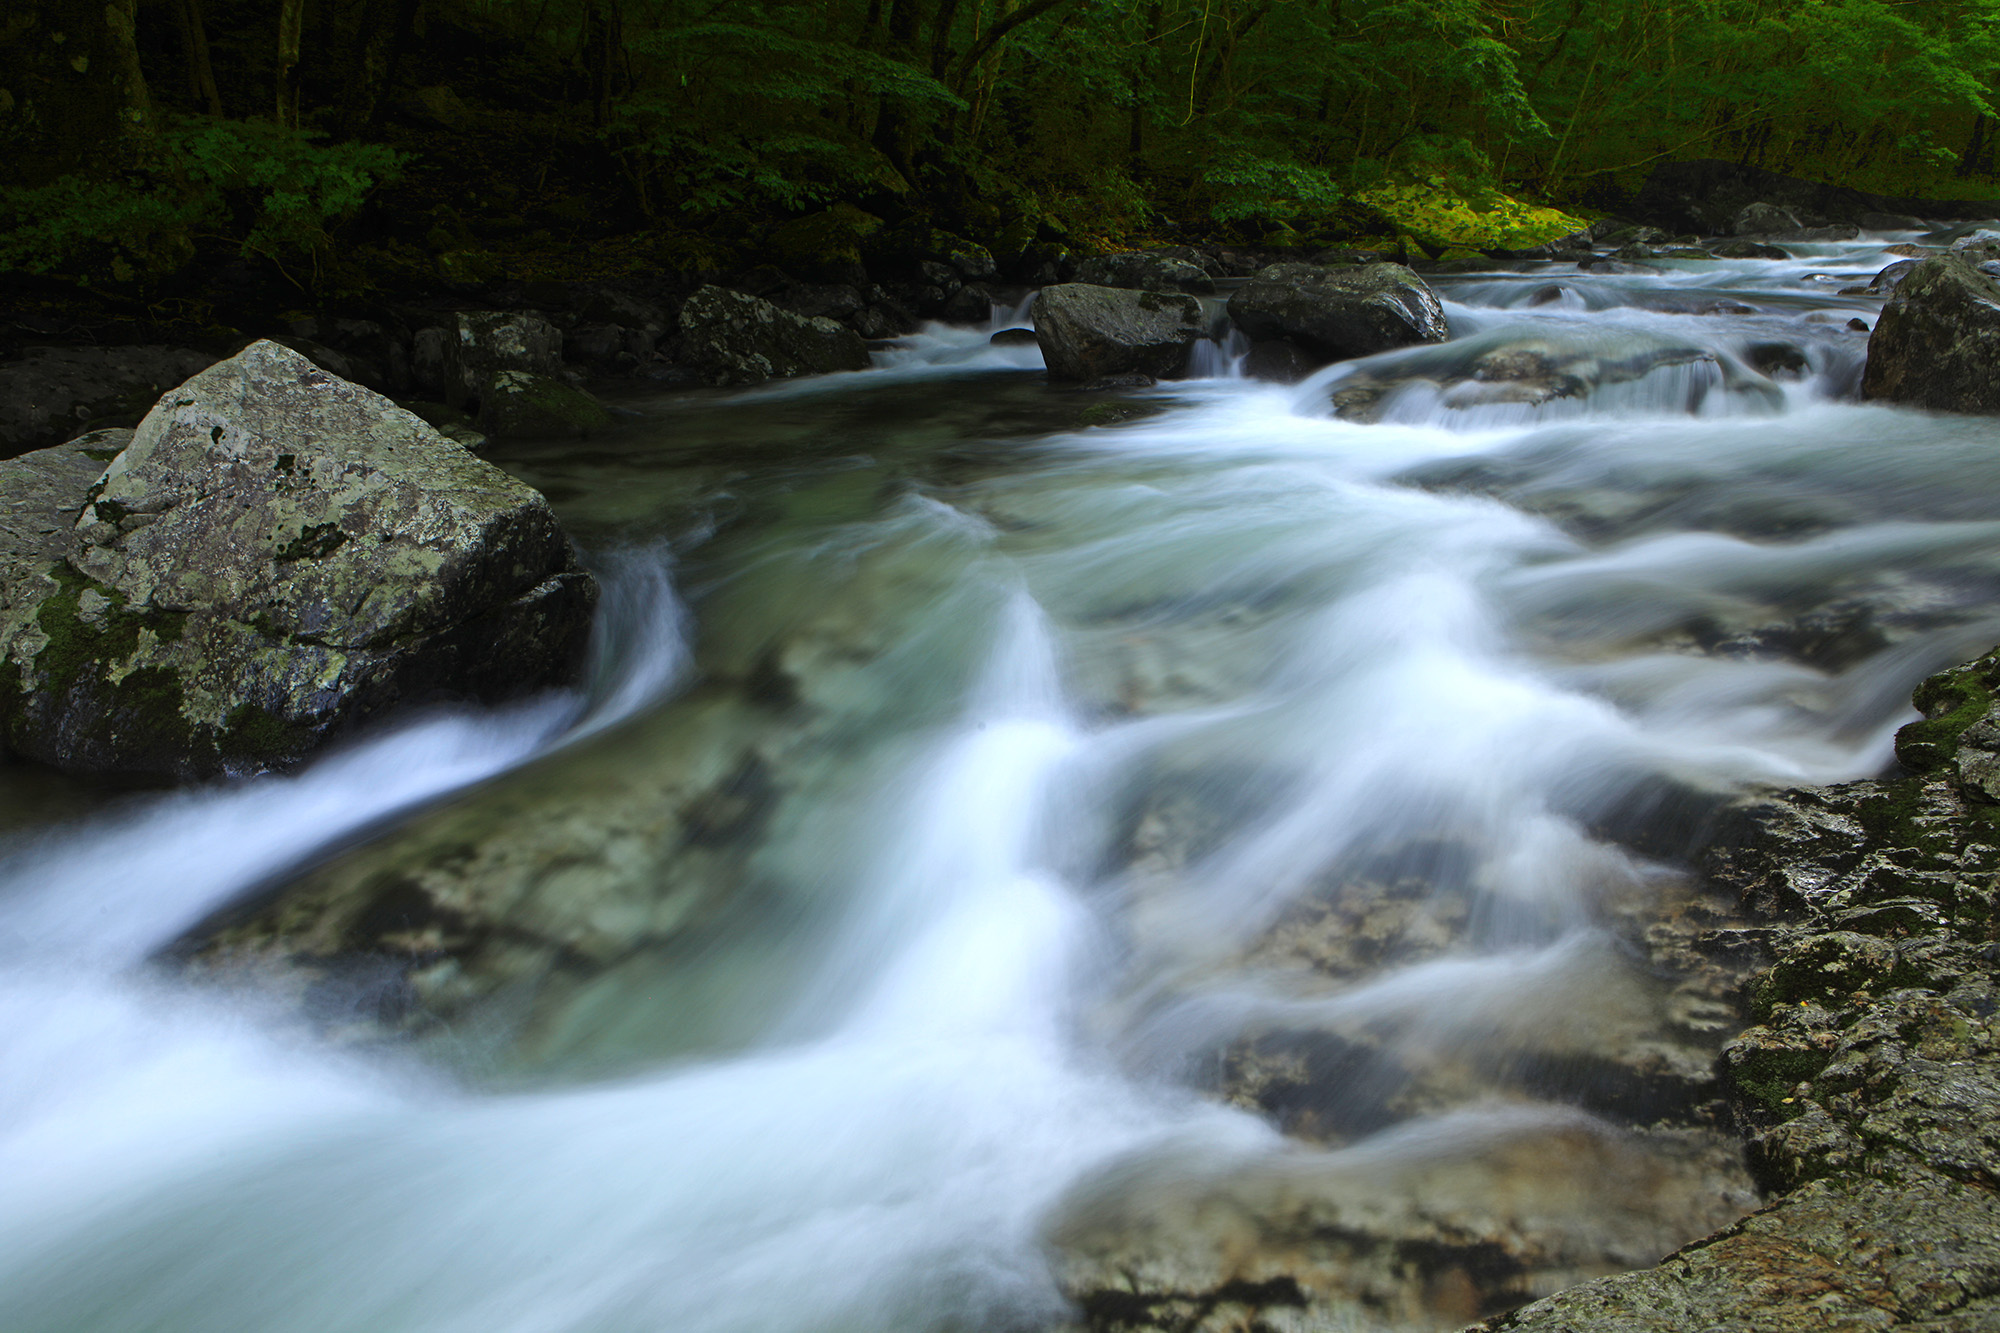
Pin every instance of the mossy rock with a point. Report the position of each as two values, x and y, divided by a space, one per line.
1440 218
515 403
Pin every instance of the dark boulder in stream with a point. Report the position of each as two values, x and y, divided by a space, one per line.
1090 333
275 556
732 338
1337 314
1938 340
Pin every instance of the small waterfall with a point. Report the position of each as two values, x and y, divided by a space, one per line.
1210 360
1017 316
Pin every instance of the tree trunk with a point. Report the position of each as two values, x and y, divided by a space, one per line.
291 23
194 48
75 99
378 49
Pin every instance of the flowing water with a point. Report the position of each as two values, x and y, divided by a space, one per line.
1016 842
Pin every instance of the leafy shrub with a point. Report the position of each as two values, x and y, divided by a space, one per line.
1247 188
269 190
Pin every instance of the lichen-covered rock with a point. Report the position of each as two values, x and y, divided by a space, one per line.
275 556
1089 332
488 342
734 338
1336 314
515 403
1146 271
53 392
1937 341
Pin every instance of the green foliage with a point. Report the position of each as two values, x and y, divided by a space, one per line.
1268 190
286 186
271 191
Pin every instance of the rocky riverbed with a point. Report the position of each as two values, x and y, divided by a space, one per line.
1380 852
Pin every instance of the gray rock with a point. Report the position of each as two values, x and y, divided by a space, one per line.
1761 219
1092 333
1336 314
733 338
1146 271
1936 342
1743 249
51 393
515 403
276 556
489 342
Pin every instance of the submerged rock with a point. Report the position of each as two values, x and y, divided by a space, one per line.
1337 314
275 556
1093 333
732 338
1938 340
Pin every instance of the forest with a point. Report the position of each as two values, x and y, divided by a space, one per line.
347 145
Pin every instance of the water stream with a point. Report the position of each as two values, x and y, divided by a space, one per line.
1011 837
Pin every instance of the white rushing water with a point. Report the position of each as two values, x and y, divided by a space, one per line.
1466 640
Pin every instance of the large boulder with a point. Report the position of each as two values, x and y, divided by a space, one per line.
275 556
54 392
1146 271
1336 314
1938 340
734 338
1089 332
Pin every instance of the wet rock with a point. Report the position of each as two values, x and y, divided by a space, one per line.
1279 361
1145 270
1338 314
277 556
515 403
1014 338
1503 368
1292 1241
566 874
52 393
1888 280
1817 235
1089 333
1745 249
1935 343
733 338
483 343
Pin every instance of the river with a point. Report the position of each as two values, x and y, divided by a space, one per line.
1015 841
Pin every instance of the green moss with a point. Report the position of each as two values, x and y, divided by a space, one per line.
1440 217
75 645
257 735
1767 1077
1951 702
